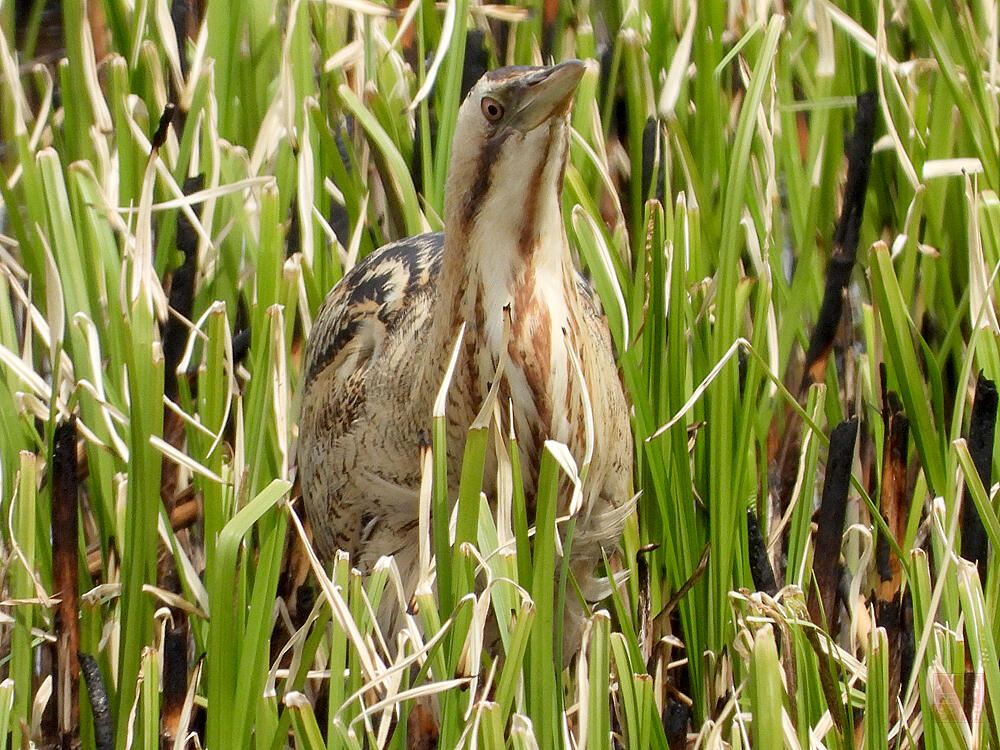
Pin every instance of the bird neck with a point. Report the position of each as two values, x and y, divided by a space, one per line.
519 260
505 243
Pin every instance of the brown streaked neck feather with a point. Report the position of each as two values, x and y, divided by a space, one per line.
505 243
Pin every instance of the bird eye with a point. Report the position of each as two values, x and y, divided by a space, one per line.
492 109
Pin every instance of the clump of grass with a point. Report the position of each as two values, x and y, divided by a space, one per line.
705 184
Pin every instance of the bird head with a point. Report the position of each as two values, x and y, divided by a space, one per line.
509 151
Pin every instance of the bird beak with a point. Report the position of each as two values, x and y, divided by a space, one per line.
548 93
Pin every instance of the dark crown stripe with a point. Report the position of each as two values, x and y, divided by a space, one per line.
476 197
528 237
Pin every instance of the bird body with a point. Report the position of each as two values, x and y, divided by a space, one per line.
380 345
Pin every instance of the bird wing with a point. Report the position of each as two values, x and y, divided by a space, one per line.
604 515
368 302
375 301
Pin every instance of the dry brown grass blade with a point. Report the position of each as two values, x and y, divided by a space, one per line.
894 504
894 495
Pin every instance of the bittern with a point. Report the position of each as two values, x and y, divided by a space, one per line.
379 347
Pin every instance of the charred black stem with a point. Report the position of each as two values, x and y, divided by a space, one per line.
175 332
65 578
175 676
104 725
845 239
830 523
982 425
760 565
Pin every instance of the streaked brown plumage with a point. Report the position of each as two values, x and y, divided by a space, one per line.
379 346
